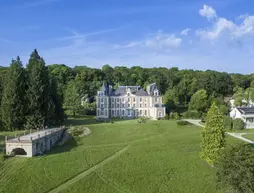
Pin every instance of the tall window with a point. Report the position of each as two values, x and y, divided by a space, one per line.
128 94
122 112
113 113
129 113
128 99
145 104
117 99
118 105
102 100
112 100
156 100
117 112
134 105
129 105
106 113
140 105
140 112
122 105
145 112
134 99
140 99
101 105
123 100
113 106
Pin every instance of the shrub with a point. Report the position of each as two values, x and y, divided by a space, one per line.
227 122
174 115
181 123
166 117
192 115
238 124
1 158
142 119
235 169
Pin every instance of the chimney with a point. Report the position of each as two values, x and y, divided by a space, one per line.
148 89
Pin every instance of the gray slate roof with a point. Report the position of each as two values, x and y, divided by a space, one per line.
246 110
122 90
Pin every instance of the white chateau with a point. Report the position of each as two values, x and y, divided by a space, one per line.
129 102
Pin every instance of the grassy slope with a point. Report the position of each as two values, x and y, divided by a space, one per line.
162 158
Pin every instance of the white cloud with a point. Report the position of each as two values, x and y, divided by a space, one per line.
243 16
159 40
185 32
208 12
245 28
77 35
222 26
163 40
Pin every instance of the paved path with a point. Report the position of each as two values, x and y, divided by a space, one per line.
239 136
236 135
87 172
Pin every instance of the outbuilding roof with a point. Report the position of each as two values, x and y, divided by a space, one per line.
246 110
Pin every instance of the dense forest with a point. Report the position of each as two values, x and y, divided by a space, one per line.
38 95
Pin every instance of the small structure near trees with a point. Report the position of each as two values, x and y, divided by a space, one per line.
33 144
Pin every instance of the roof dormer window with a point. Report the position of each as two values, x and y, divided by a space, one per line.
156 93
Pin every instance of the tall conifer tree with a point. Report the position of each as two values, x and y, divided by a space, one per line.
55 110
213 135
13 96
37 91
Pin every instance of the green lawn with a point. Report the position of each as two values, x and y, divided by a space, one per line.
249 136
161 157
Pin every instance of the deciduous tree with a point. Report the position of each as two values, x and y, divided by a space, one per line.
235 169
72 98
199 101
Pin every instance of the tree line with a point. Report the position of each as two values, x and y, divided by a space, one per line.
38 94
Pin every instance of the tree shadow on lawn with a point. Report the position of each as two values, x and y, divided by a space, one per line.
2 138
63 148
86 120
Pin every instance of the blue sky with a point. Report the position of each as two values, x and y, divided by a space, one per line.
189 34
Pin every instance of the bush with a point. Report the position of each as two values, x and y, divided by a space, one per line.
2 158
235 169
142 119
166 117
192 115
181 123
238 124
174 115
227 122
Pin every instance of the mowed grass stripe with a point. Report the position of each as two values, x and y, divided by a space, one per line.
87 172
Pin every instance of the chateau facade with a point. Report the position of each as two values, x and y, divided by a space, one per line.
129 102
